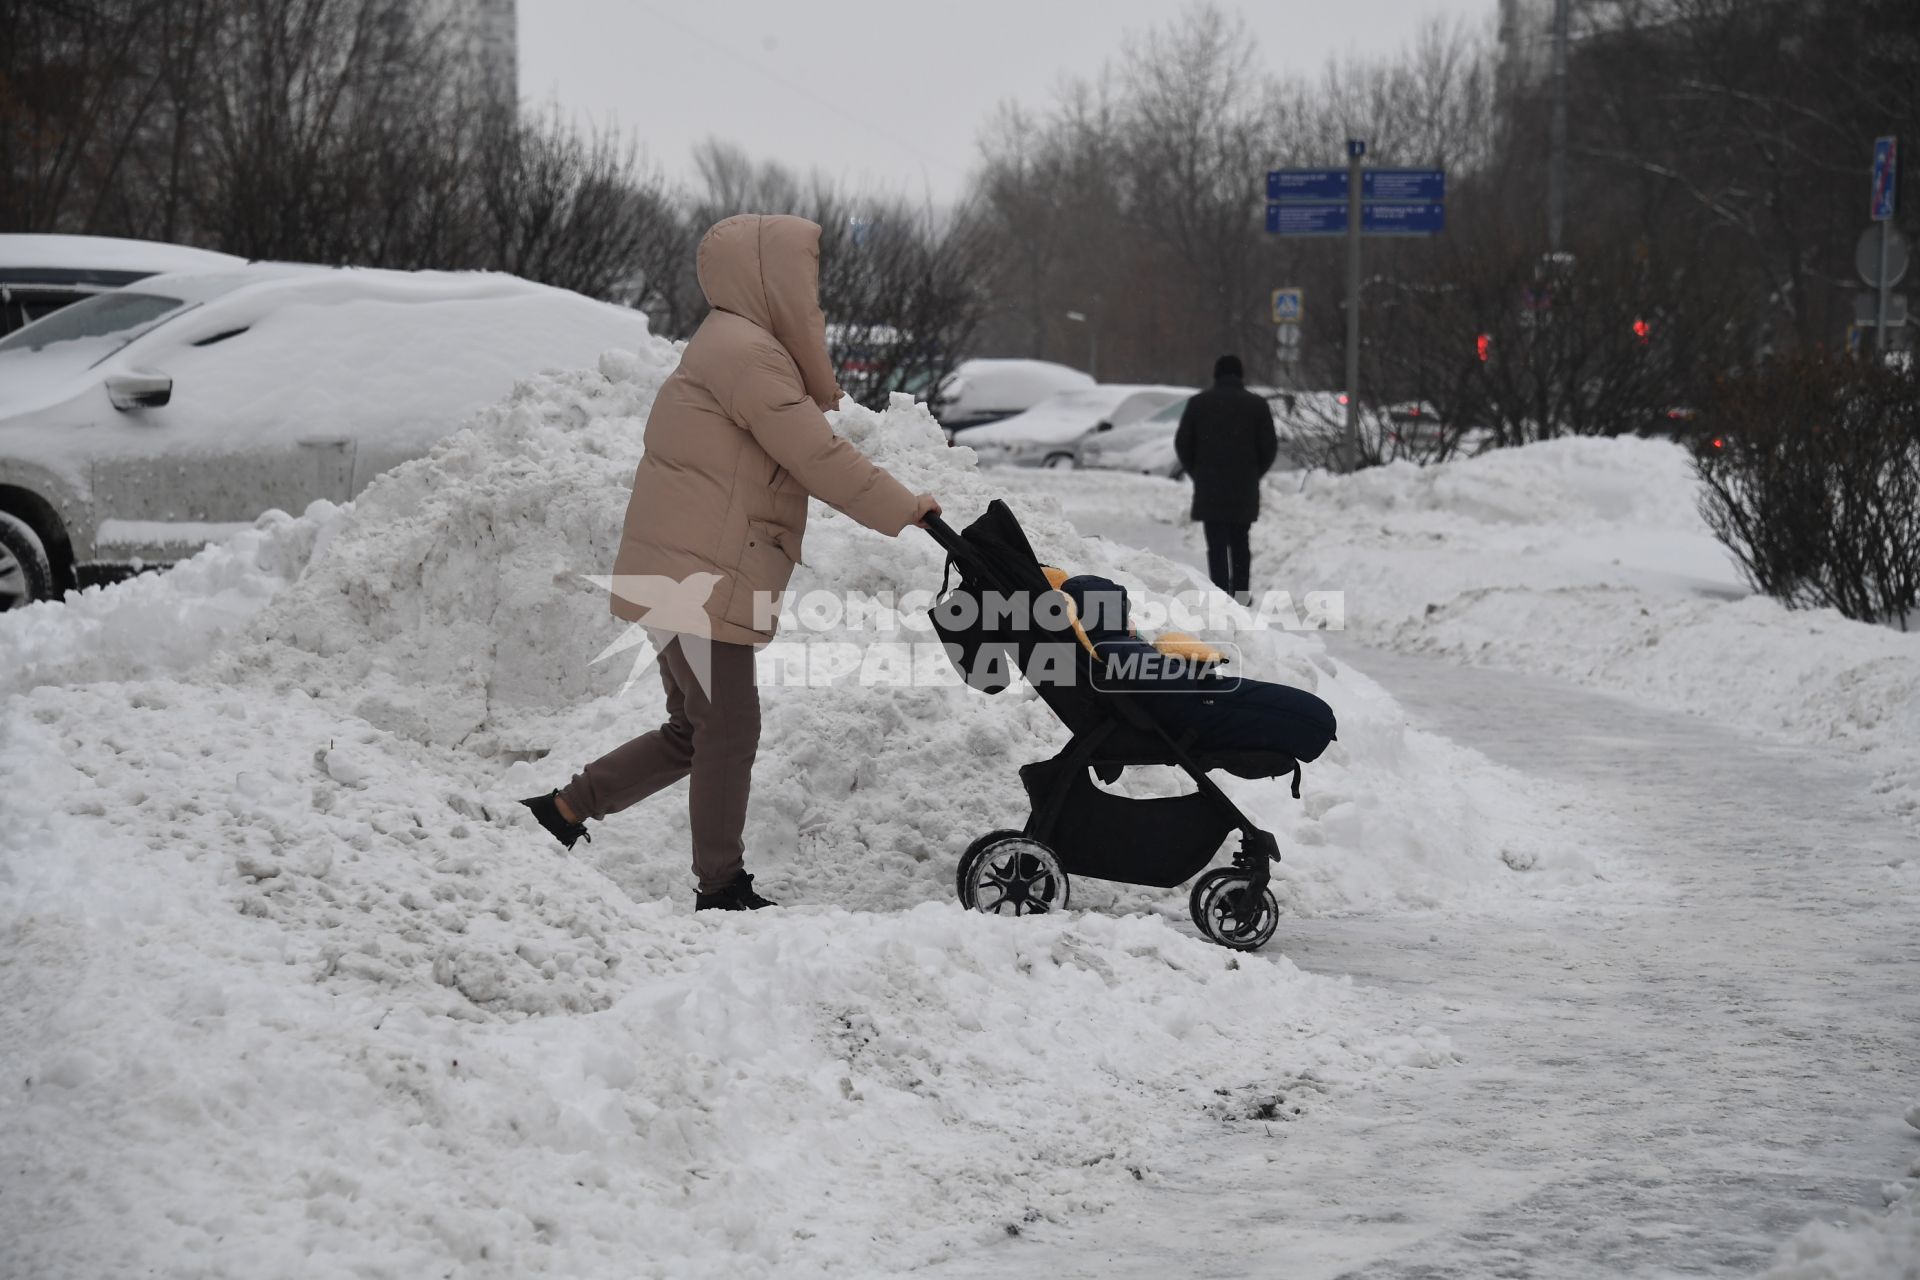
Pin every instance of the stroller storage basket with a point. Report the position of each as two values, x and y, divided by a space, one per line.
1161 841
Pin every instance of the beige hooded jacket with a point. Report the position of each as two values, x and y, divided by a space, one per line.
737 440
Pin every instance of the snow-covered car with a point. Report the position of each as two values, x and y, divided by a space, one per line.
1047 434
1145 447
39 274
984 391
140 424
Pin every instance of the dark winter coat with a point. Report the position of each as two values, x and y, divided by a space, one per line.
1226 442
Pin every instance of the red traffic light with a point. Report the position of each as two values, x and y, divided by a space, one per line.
1483 346
1642 330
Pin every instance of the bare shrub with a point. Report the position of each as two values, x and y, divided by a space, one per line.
1812 472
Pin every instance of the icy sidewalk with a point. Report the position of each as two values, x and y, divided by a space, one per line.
1668 1083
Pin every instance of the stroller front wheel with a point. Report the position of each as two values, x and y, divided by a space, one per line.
1215 905
962 884
1010 874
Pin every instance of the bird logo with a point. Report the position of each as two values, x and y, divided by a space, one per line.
676 608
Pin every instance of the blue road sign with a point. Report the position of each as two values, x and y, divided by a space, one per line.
1356 148
1416 186
1402 219
1289 305
1307 219
1886 177
1307 184
1375 219
1408 186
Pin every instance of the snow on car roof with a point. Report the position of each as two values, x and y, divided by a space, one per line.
995 383
107 253
311 344
1083 407
302 282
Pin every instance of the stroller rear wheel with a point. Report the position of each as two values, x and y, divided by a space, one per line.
1215 905
1010 874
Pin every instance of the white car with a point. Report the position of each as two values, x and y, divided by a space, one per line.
1145 447
983 391
140 424
39 274
1047 434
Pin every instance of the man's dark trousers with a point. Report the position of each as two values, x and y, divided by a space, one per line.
1228 555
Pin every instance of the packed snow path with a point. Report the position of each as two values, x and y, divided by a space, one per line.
1670 1082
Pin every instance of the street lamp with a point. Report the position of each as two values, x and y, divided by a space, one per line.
1093 342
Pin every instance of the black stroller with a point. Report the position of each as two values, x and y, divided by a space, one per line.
1075 828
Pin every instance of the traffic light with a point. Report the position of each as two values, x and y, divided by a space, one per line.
1483 346
1643 331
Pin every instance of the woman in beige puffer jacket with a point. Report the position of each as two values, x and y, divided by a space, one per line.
735 444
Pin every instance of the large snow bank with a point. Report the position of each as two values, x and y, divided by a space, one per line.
453 607
161 622
295 987
583 1085
1588 559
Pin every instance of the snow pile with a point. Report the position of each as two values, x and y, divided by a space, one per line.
1588 559
454 607
296 987
276 1039
161 622
627 1090
1863 1246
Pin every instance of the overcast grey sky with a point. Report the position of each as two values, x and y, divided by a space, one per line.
885 93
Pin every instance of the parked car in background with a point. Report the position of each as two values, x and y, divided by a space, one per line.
982 391
140 424
1416 424
1047 434
41 274
1144 447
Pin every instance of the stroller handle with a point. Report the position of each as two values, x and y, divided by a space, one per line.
943 534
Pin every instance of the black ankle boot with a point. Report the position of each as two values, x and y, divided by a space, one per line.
547 814
736 895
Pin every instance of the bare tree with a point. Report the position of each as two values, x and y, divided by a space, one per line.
568 209
1194 144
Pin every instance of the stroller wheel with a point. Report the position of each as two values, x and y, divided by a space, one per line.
962 874
1215 906
1009 874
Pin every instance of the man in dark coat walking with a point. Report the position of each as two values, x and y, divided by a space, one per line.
1226 442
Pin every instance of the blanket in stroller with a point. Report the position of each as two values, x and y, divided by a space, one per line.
1188 694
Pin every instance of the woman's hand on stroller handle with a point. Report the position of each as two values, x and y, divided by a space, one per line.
928 509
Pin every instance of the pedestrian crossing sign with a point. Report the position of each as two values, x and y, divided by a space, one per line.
1288 305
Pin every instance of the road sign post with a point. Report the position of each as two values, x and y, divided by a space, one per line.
1355 224
1886 182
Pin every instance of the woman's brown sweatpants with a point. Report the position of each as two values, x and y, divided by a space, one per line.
712 734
